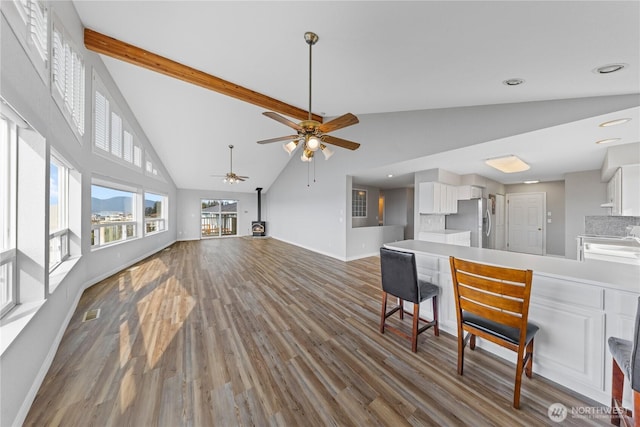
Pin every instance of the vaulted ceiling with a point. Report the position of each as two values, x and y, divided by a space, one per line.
372 57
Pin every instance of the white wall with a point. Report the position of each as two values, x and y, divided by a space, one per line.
26 359
398 209
394 137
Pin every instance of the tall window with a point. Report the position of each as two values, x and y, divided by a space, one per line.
30 22
359 203
58 212
155 208
8 143
113 215
68 79
218 218
112 135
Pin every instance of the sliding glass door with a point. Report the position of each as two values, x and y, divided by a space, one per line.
218 218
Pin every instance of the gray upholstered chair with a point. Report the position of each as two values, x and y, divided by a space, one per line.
626 364
400 279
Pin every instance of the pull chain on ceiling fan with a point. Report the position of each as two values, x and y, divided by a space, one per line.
311 132
231 178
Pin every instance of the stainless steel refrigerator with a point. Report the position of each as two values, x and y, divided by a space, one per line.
473 215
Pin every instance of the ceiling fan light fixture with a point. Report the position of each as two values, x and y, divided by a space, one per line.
307 155
326 151
313 143
508 164
290 146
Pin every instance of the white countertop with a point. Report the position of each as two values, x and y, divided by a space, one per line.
603 273
446 231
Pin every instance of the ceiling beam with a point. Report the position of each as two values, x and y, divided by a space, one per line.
117 49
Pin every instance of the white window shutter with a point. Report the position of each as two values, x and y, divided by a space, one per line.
127 153
58 63
38 28
101 125
116 135
137 156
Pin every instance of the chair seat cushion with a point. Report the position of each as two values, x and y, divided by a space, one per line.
427 290
498 330
621 352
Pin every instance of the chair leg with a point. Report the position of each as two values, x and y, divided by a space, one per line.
617 385
636 408
414 333
528 370
436 329
401 304
384 312
516 388
472 342
460 350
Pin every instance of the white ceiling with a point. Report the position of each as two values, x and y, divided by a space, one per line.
372 57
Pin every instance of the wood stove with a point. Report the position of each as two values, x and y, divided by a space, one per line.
259 227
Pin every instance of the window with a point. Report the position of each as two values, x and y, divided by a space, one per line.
8 170
113 215
155 208
68 79
58 212
112 135
218 218
359 203
30 22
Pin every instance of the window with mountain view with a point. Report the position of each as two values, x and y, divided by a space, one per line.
113 216
155 208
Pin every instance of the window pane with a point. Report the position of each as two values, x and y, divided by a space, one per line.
358 203
218 218
54 202
112 214
229 224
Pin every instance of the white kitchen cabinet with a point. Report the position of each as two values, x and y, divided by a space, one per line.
437 198
623 191
468 192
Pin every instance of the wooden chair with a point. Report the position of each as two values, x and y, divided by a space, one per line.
493 303
400 279
626 364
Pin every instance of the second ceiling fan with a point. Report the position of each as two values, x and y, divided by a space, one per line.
312 133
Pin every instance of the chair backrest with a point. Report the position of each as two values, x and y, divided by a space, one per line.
635 354
399 275
495 293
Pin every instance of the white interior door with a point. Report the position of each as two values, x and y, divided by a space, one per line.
525 222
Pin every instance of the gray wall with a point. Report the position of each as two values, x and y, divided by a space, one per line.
584 193
26 360
555 231
394 137
398 209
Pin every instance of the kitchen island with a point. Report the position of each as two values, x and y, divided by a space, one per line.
577 306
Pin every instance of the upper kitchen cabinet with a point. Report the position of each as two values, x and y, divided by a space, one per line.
468 192
438 198
623 191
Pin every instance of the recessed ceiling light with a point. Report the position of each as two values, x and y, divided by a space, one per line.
609 68
531 182
614 122
513 82
508 164
390 175
607 141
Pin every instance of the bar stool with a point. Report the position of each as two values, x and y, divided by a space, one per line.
626 364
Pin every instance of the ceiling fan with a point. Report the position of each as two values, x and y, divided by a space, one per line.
311 132
231 177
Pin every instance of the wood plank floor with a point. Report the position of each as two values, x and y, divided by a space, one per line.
256 332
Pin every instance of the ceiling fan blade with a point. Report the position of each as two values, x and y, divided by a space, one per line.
242 178
277 117
339 123
280 138
218 176
340 142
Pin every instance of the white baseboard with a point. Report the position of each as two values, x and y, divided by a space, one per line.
310 249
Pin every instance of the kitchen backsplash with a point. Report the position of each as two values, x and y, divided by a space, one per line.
609 225
431 222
